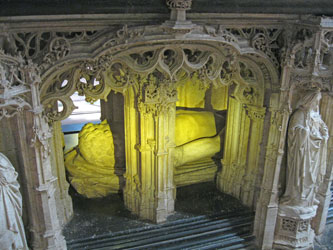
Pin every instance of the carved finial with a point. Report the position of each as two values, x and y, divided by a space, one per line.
179 4
178 9
177 22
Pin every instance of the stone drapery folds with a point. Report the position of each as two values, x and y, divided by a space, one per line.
12 235
307 138
306 169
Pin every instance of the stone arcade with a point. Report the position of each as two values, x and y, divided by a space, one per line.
265 64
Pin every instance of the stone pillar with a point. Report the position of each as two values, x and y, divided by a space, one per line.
150 130
64 201
20 98
241 153
132 190
33 135
113 111
267 205
324 193
230 179
157 135
256 115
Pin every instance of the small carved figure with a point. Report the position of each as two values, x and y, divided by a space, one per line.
12 235
307 148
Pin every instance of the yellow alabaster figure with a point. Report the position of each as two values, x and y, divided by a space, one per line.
196 136
91 164
219 98
192 125
191 94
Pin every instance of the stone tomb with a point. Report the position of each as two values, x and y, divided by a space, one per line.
257 70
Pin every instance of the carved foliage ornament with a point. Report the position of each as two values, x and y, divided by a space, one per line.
302 50
123 36
13 86
156 94
46 48
265 40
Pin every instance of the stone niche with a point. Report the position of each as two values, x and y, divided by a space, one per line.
200 121
214 134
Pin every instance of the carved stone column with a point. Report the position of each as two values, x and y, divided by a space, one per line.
64 201
324 193
241 154
267 205
230 179
132 190
34 135
256 115
20 96
149 188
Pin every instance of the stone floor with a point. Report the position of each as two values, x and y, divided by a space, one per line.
106 215
94 217
325 242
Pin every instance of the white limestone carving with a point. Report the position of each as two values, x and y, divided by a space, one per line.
12 235
307 138
307 153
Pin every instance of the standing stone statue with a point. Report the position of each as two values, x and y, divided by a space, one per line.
12 235
307 148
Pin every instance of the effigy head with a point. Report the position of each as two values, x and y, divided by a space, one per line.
7 171
310 100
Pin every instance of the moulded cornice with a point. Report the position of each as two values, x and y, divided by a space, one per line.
101 21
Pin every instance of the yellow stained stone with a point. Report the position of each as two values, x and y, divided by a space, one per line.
192 125
195 136
191 94
91 164
219 98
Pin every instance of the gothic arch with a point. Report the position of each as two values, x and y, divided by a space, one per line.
145 64
218 62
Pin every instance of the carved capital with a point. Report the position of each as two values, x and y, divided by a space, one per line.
158 95
255 113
